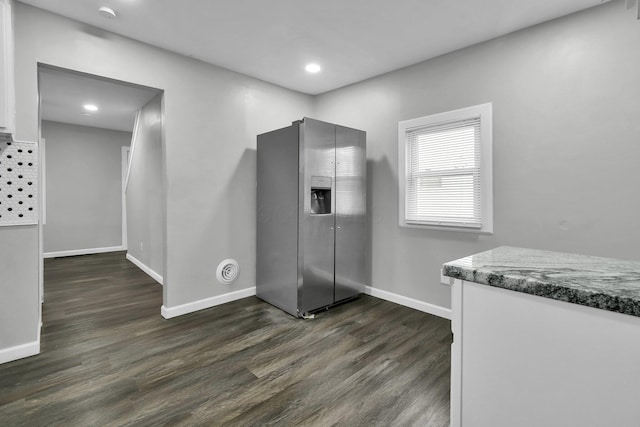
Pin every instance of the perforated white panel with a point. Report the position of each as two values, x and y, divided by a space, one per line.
18 183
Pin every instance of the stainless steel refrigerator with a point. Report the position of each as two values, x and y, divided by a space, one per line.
311 216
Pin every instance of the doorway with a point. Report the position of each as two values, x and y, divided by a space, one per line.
89 124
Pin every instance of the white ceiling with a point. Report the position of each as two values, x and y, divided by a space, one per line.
63 94
351 39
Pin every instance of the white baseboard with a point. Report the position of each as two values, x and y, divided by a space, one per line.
436 310
155 276
179 310
19 352
170 312
76 252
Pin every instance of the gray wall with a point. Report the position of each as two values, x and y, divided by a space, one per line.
212 117
84 187
566 129
19 302
145 194
566 144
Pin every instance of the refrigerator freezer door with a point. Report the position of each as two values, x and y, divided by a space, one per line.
277 218
316 232
351 206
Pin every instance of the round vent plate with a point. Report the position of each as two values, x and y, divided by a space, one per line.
228 271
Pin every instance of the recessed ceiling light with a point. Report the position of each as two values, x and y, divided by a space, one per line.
312 68
90 107
107 12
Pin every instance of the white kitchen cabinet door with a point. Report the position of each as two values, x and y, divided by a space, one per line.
6 68
527 361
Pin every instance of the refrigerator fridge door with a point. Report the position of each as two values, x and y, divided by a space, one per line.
351 203
316 232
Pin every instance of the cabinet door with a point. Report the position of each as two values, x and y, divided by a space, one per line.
316 233
351 208
6 64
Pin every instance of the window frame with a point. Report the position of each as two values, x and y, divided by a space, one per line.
485 113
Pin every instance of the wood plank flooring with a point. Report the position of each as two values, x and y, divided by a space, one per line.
109 359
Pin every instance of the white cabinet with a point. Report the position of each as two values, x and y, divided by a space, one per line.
522 360
7 107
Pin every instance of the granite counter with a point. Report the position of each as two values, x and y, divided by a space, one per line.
605 283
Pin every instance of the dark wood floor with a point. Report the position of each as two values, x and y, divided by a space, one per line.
109 358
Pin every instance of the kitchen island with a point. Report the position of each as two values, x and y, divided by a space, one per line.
544 339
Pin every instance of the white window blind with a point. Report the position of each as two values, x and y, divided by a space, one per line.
445 170
443 174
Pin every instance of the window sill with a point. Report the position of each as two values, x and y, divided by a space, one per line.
483 231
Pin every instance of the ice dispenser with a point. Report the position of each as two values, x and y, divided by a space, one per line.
320 195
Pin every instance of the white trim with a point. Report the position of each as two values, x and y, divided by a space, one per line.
179 310
20 351
485 113
76 252
42 204
426 307
125 155
134 136
456 353
142 266
42 151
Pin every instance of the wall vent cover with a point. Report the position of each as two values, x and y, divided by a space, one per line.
228 271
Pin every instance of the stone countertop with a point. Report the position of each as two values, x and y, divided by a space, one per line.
604 283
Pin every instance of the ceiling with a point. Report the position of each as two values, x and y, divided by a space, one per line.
63 94
351 39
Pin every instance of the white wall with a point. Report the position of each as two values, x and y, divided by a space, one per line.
212 117
145 190
84 187
566 144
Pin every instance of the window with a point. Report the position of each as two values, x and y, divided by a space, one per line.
444 165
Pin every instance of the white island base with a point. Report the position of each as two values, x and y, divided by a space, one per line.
520 360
